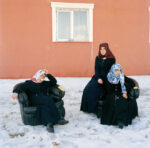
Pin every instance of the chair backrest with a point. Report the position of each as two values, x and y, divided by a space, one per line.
134 91
22 97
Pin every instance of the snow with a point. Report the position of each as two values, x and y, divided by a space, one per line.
83 131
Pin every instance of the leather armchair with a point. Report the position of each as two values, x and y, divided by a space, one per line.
28 111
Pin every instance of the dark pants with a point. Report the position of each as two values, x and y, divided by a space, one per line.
47 111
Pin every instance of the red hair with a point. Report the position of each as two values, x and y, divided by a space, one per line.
108 52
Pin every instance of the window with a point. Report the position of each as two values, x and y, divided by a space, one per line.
72 22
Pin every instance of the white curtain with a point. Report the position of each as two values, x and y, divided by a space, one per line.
79 29
63 25
80 25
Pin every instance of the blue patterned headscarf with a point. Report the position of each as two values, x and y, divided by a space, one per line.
112 78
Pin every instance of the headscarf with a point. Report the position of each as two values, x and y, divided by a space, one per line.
113 79
37 75
108 52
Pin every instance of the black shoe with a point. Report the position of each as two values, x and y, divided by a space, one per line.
50 128
62 122
120 125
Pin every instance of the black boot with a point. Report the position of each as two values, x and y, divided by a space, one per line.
121 125
62 122
50 128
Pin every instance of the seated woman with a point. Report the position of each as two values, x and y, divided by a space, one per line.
37 89
94 89
118 108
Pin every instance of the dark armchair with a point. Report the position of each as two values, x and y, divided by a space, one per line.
133 92
28 111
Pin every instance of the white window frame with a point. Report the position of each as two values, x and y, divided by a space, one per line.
57 5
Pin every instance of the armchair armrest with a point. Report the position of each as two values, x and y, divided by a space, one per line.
57 91
135 91
23 99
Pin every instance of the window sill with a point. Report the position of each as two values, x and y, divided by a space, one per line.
72 41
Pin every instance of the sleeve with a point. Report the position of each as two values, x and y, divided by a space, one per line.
20 88
97 69
107 87
108 66
52 81
112 61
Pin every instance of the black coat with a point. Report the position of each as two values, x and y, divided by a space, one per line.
37 93
115 107
93 90
33 88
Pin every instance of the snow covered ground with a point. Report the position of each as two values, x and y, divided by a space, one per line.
83 130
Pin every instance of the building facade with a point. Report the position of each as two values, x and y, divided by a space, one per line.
64 36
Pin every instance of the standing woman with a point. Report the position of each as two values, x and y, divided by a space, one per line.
94 89
118 108
37 90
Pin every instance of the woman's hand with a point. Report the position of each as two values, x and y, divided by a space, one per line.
14 95
46 71
125 95
100 81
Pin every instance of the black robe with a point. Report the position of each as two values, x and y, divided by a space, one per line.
37 93
115 107
93 90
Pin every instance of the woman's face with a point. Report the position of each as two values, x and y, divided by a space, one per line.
103 51
117 73
41 78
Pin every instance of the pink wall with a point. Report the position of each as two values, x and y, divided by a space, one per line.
26 38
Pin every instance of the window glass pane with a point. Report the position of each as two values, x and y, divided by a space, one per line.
80 25
63 25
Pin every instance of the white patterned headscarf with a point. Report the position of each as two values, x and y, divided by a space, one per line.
38 74
113 79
